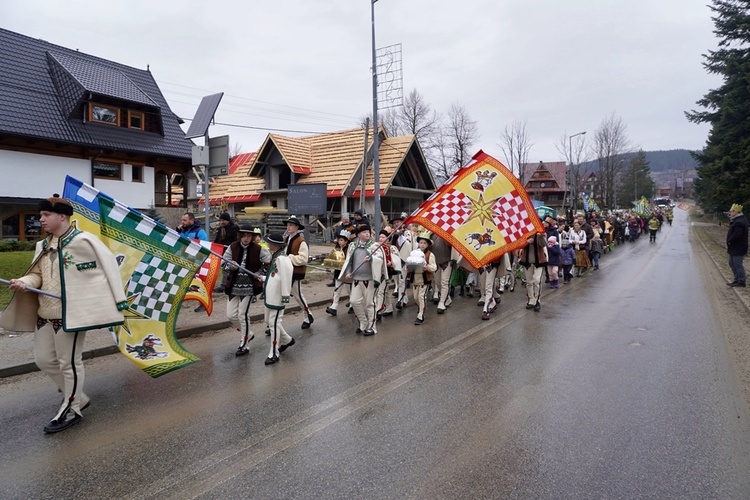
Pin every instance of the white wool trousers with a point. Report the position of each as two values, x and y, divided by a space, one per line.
238 312
60 355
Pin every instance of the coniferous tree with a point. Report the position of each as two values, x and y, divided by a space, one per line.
635 182
724 162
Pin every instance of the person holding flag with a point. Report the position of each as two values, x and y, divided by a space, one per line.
83 271
241 286
364 268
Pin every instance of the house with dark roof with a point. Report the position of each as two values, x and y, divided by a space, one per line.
62 113
335 159
546 182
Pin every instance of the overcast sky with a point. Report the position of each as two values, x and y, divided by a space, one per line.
301 65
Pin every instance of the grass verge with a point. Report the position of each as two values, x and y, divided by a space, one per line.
12 265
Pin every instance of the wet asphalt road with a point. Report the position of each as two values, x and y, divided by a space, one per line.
619 388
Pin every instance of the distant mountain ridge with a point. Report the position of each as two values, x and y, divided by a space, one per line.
659 161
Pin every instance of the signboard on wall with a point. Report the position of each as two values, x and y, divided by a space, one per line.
307 199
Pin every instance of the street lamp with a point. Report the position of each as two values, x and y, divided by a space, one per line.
571 185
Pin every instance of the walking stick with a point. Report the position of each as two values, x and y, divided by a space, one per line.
32 289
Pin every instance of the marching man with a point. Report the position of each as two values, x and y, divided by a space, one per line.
364 268
79 268
384 301
240 286
277 287
299 254
422 266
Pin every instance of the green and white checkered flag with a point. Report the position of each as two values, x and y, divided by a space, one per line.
157 265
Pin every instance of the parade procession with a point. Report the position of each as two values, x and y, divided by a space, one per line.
478 236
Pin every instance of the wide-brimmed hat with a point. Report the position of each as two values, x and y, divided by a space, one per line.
274 239
246 228
425 235
294 220
362 227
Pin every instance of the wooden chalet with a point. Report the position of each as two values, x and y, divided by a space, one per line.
334 159
546 182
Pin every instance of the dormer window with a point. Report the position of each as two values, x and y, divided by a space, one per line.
135 120
105 114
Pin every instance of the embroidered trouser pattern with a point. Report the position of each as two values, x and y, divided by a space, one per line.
383 300
445 278
59 355
297 293
238 312
420 298
274 318
487 289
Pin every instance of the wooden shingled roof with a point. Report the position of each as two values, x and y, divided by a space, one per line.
334 158
237 186
392 153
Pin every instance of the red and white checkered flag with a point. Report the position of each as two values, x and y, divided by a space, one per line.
483 211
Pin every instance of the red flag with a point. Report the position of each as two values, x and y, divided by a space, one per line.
202 287
482 211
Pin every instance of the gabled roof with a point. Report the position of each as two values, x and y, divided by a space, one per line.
557 169
43 85
335 158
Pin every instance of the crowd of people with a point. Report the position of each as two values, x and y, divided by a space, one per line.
404 265
401 264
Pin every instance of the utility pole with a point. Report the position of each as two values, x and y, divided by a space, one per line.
375 134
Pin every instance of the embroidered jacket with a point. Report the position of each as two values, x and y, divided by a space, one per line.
91 288
278 284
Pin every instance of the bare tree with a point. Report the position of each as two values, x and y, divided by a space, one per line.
573 149
462 133
515 145
609 146
418 118
234 150
390 119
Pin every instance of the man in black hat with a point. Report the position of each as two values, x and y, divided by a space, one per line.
241 286
364 268
299 254
84 276
359 217
225 235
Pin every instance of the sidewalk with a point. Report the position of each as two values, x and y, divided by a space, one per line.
17 354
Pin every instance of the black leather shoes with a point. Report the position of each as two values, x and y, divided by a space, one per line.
268 332
740 285
62 423
418 321
331 311
369 332
271 360
388 313
359 330
529 306
283 347
399 305
537 307
440 311
241 351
